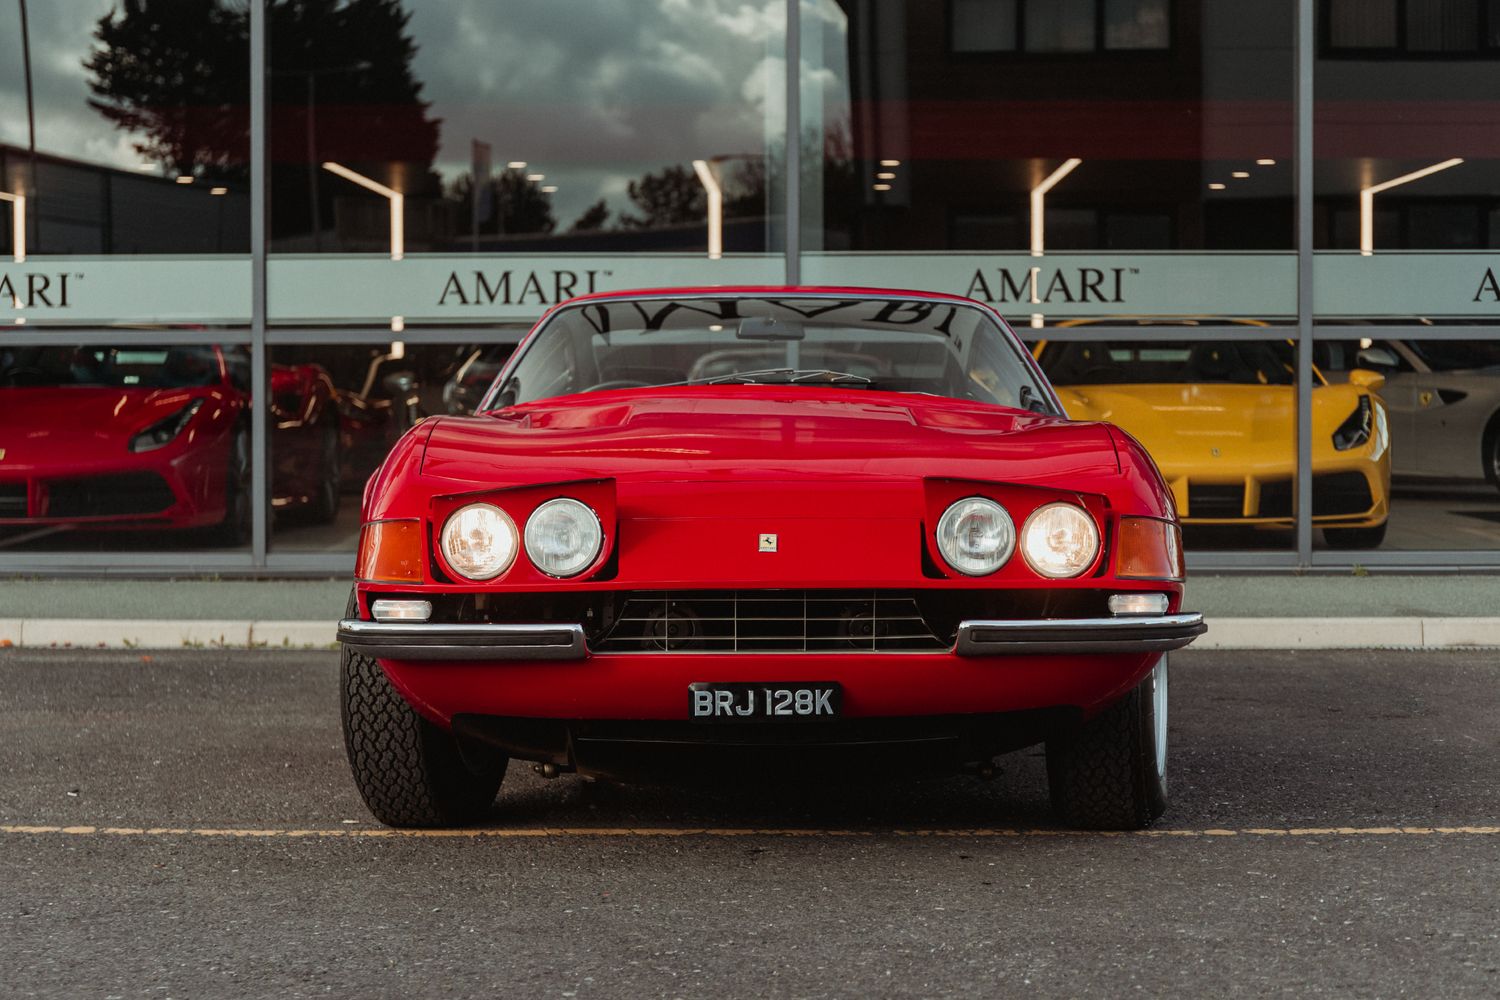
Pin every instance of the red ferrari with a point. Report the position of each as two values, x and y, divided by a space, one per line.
698 528
157 437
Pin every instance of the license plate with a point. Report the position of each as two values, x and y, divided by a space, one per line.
752 702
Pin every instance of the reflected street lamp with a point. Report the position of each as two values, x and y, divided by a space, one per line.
1367 201
1039 223
397 199
715 208
17 224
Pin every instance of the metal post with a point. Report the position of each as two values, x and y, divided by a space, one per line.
1304 196
312 161
35 225
793 242
260 368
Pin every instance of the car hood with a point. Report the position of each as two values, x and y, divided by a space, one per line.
1179 421
765 433
48 426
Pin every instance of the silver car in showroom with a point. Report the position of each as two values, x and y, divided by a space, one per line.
1443 401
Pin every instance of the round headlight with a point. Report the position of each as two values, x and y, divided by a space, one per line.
479 541
976 536
563 537
1059 540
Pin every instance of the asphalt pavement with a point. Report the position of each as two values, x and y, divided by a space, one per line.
183 825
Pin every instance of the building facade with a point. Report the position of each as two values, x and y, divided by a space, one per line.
244 244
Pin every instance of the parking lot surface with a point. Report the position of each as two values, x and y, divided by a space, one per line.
182 824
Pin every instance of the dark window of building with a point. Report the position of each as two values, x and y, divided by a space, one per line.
984 25
1059 25
1415 28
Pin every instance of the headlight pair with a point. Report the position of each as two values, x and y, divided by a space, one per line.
563 538
976 536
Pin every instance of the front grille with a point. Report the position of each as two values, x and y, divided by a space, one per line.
12 499
105 496
1213 500
1341 493
769 621
1276 498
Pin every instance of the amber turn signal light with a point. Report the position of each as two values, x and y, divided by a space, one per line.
1150 549
390 552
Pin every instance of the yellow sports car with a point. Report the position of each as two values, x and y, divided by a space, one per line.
1220 419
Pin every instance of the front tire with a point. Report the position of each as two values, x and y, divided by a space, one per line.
409 771
1111 772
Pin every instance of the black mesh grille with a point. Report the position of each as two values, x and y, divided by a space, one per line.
1212 500
768 621
1342 493
1276 498
103 496
12 499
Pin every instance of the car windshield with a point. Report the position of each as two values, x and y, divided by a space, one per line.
129 367
896 345
1238 363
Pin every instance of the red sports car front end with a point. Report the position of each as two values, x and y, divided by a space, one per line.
764 562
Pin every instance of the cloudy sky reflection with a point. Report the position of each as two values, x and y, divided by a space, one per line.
591 92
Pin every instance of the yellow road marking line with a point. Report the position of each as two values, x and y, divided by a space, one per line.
248 833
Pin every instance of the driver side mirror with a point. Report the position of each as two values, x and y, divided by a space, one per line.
1366 378
1375 358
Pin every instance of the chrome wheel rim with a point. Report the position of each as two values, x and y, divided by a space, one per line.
1159 714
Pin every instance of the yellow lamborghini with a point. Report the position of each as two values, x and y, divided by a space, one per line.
1220 420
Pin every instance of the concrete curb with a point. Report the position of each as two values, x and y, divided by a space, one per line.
1223 633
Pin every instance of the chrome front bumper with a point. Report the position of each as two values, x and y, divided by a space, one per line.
425 641
1125 634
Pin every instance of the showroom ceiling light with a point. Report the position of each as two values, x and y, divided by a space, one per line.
218 190
890 163
17 225
715 193
1367 200
516 165
1240 174
1265 162
1216 186
396 198
880 187
185 178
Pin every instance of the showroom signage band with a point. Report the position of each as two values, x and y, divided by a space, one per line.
463 288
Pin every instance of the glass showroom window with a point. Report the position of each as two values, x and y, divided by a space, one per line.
437 162
125 370
1407 186
338 408
1132 179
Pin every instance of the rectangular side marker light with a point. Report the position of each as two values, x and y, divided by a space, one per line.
1137 604
403 611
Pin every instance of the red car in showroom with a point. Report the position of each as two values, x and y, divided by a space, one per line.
691 528
157 437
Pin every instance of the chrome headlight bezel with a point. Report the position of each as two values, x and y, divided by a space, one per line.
585 555
945 536
503 527
1033 550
